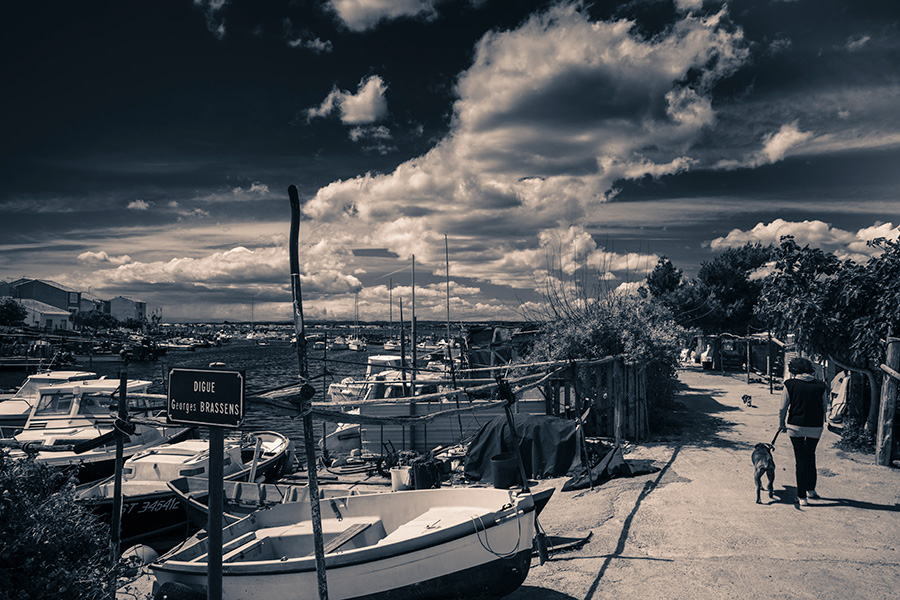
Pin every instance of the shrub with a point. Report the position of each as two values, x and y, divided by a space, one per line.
49 546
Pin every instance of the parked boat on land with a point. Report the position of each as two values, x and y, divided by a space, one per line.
151 511
240 498
15 407
417 544
79 414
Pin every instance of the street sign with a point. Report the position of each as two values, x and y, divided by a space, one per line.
206 397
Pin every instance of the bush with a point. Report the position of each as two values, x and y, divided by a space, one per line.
854 437
639 329
49 546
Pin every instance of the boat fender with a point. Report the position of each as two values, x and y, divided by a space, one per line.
177 591
136 557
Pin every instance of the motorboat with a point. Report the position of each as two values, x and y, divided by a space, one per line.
80 415
353 388
15 407
392 345
240 498
339 343
151 512
357 344
414 544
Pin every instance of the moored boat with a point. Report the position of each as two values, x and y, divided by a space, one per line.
240 498
151 512
15 408
77 414
417 544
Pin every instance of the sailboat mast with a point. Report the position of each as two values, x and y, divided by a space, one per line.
447 263
413 341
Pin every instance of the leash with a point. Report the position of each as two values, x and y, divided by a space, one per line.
776 436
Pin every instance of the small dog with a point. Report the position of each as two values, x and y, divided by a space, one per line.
746 399
763 463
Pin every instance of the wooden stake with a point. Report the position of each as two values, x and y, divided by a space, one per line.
306 399
884 442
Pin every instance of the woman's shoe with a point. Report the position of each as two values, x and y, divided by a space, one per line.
802 502
812 494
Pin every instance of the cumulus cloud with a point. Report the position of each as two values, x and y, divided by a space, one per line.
688 5
102 257
138 205
359 15
818 234
775 147
366 106
547 118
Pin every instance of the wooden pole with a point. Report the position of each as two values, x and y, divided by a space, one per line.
884 442
618 397
116 527
306 399
214 522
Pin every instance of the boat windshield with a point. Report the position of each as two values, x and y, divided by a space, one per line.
30 390
59 403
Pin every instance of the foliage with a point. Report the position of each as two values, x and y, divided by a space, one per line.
49 546
12 313
95 320
133 324
613 324
855 437
722 296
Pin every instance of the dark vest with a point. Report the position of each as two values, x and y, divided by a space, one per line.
805 406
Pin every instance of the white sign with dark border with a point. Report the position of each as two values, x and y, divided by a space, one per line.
206 397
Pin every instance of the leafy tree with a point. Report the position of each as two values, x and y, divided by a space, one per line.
12 313
733 294
50 548
664 278
95 320
842 310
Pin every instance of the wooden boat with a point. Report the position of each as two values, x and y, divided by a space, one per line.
417 544
78 414
151 512
240 498
15 408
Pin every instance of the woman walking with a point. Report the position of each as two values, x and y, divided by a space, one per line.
802 415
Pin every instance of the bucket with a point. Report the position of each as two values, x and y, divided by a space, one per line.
401 478
504 470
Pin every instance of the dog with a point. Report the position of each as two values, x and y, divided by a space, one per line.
763 463
746 399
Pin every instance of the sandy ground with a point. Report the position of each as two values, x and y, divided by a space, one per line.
693 529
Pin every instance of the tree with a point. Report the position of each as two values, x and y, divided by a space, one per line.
95 320
51 547
842 310
664 278
733 292
12 313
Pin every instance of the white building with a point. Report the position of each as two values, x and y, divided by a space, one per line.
124 308
41 314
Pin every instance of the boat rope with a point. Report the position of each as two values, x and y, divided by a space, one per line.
486 543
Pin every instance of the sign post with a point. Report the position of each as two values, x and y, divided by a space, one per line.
215 398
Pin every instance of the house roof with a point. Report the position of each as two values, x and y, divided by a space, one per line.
25 280
42 307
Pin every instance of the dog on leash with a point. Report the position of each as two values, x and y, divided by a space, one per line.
747 400
763 464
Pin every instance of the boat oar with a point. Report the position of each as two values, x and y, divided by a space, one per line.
306 395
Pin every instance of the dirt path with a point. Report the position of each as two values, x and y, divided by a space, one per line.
693 530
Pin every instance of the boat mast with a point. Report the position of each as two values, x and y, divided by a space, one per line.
413 341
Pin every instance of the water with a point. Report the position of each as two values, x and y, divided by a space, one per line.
265 366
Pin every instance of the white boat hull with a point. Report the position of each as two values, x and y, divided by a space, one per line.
453 550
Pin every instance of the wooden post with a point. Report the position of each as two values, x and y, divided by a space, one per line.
214 518
884 442
618 400
306 399
116 527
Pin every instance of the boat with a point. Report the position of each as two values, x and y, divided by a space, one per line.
339 343
151 511
79 414
15 407
357 344
415 544
240 498
392 345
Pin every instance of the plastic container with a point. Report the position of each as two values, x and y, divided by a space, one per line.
505 470
401 478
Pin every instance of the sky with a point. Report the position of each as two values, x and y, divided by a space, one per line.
148 146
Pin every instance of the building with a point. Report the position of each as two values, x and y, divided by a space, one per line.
90 303
41 314
48 292
123 308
